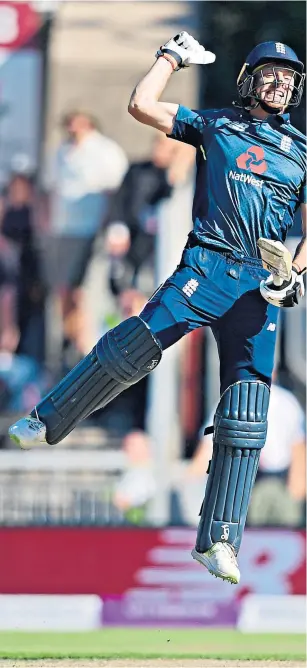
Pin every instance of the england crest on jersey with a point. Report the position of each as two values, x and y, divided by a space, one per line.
285 144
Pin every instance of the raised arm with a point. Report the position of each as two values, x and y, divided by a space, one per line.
177 53
144 103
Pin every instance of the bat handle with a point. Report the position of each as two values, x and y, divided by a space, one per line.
277 280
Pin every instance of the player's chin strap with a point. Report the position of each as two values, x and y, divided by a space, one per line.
263 105
270 110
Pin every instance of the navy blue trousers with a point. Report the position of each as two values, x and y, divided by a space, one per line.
212 289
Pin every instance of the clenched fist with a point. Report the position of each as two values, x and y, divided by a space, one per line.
186 51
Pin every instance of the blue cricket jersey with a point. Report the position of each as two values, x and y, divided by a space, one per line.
250 179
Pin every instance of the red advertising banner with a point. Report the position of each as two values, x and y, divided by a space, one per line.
110 561
147 576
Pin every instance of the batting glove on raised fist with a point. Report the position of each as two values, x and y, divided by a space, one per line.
287 294
186 51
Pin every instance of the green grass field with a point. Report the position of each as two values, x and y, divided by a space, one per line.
152 643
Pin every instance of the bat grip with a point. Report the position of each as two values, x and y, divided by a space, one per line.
277 280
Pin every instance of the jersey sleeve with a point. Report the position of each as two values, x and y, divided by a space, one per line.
188 127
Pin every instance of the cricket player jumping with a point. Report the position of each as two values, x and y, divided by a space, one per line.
250 181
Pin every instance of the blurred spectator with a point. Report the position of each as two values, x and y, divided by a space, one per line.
137 486
9 331
117 247
17 226
280 489
112 265
86 168
136 204
21 300
131 302
21 381
19 374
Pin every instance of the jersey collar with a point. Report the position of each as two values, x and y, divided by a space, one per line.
285 117
280 118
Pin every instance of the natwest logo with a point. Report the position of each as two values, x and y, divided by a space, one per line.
253 160
245 178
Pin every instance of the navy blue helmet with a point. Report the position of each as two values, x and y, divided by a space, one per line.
250 76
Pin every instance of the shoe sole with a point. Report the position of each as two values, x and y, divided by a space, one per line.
25 446
14 438
19 442
205 562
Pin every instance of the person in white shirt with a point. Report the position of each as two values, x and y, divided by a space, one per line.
137 486
86 169
280 488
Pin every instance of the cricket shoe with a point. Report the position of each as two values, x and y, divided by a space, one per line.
28 432
220 560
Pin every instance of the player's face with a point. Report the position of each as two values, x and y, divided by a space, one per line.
275 85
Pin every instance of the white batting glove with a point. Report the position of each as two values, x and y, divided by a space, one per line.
186 51
287 294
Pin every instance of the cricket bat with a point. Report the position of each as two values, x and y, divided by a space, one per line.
276 259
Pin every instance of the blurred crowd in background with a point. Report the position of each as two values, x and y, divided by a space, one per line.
78 244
